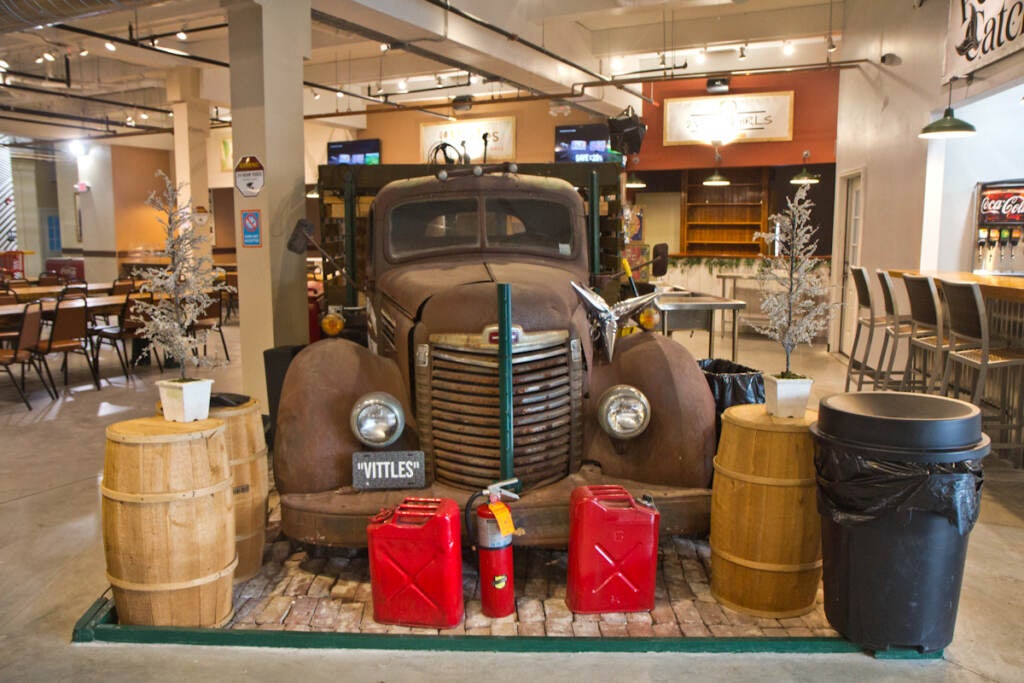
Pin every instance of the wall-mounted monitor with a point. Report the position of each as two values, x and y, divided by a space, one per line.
587 143
354 152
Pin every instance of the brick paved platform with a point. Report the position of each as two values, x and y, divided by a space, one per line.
297 592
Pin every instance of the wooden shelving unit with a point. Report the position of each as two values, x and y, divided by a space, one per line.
721 221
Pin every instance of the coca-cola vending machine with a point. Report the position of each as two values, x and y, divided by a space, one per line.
999 226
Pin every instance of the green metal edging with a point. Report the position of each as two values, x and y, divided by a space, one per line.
99 624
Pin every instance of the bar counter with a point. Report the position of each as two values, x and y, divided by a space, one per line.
1003 287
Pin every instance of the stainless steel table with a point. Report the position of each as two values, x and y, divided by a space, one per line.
690 311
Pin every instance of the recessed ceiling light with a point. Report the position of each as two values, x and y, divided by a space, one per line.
110 46
403 85
702 56
339 94
787 48
144 116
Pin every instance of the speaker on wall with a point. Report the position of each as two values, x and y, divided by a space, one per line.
626 131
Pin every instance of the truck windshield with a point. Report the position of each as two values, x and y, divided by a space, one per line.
512 224
535 225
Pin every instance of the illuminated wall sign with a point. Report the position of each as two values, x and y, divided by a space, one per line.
759 117
501 138
980 33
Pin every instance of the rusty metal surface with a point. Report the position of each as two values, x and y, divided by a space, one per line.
678 445
313 445
339 518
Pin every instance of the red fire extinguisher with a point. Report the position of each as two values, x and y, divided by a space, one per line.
494 531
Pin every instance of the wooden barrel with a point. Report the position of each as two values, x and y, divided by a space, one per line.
247 456
168 522
765 529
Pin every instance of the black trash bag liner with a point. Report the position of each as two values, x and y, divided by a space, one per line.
223 399
854 489
732 384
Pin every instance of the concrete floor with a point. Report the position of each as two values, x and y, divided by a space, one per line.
52 569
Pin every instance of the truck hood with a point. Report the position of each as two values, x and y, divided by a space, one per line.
463 298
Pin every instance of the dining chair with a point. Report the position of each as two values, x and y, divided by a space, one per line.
866 320
50 280
212 320
9 329
119 335
973 350
928 343
69 333
22 354
231 296
897 328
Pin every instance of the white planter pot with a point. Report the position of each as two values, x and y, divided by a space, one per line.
185 401
786 397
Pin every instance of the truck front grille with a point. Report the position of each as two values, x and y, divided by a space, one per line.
459 414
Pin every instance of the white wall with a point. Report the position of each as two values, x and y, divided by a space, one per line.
26 214
97 207
67 176
995 153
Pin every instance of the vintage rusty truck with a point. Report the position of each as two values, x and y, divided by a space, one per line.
439 246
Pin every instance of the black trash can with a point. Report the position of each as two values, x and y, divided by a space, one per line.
731 384
899 487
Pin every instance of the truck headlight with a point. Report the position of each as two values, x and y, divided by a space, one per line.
377 419
624 412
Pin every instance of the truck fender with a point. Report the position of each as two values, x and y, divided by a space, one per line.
313 445
678 445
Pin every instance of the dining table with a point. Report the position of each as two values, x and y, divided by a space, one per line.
33 292
102 304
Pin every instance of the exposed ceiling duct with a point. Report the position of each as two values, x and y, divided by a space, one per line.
18 15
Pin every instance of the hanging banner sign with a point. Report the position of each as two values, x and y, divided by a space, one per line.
251 231
249 176
467 137
981 32
759 117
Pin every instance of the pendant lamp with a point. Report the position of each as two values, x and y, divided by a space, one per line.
805 177
948 126
716 179
634 182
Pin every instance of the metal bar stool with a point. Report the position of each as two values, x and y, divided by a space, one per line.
973 349
897 328
860 365
927 341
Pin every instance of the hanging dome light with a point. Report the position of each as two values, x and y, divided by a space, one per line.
716 179
949 126
805 177
634 182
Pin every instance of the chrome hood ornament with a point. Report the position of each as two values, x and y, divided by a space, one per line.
606 319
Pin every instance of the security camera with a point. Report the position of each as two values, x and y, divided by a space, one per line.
890 59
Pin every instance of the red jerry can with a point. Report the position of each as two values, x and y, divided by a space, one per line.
613 551
416 563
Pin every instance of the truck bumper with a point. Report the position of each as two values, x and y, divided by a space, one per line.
338 518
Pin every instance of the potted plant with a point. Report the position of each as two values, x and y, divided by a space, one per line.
793 299
182 291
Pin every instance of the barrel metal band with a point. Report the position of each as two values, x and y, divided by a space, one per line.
173 586
766 566
763 481
125 497
262 453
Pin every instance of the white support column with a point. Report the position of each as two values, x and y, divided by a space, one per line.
268 41
191 132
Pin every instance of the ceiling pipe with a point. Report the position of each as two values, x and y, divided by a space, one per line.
71 117
822 66
53 124
445 5
87 98
18 15
170 34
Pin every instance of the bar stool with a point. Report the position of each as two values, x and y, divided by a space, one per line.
972 348
897 328
869 322
927 340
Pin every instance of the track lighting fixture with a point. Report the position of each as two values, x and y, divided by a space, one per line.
743 52
110 46
181 34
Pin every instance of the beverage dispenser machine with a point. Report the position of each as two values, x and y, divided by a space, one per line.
999 225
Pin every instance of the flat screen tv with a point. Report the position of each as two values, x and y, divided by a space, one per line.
584 143
354 152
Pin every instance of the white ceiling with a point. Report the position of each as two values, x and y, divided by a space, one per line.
526 48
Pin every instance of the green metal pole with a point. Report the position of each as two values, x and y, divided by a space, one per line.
594 198
350 237
505 377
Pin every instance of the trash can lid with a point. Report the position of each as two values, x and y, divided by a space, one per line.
900 420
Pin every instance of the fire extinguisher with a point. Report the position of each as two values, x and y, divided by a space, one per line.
494 531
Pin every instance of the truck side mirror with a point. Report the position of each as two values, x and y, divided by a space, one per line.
659 266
